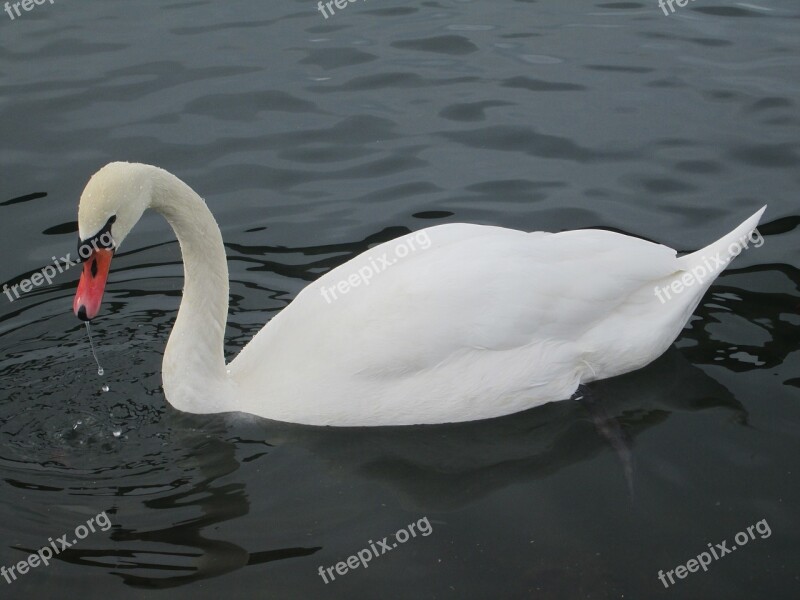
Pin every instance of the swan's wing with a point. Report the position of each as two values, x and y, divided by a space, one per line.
471 288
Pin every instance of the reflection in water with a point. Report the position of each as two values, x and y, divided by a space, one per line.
431 467
611 430
440 467
172 547
187 554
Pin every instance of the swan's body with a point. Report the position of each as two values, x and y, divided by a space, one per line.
477 322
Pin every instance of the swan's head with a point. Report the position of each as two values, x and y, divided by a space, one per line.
111 204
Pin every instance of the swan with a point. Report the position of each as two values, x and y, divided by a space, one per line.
455 322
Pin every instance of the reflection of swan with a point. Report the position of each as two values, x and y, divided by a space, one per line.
470 322
187 548
441 467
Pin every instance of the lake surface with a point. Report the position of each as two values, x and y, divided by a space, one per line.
313 139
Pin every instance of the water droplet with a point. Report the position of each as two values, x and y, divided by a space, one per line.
117 433
91 344
105 388
76 424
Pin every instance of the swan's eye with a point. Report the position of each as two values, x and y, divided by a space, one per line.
102 239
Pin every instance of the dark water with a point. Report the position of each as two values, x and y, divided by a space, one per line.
312 140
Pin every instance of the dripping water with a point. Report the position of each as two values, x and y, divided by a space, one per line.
91 345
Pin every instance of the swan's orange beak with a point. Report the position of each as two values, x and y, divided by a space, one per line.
89 296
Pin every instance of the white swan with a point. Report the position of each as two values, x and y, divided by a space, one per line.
455 323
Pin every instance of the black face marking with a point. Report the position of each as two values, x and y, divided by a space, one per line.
101 239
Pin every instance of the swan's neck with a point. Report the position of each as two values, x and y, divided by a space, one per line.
193 369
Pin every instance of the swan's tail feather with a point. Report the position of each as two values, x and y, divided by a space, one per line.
698 270
716 256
